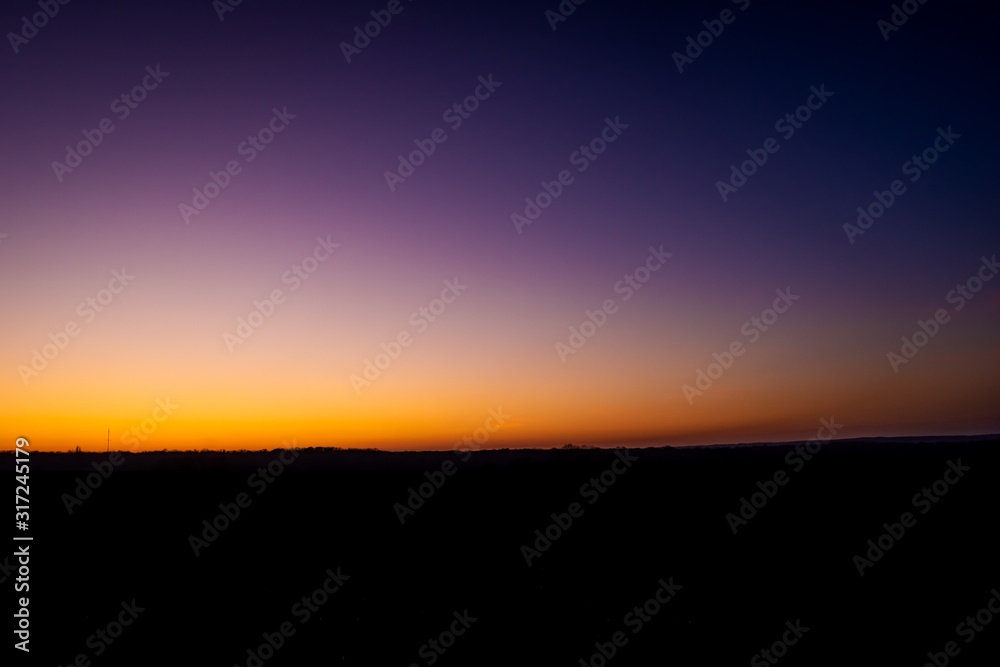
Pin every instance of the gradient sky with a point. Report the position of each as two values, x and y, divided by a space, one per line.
494 347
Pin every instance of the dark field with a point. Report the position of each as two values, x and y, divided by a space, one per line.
663 517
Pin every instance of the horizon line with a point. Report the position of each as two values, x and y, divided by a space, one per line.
566 447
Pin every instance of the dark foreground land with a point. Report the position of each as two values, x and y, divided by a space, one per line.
454 572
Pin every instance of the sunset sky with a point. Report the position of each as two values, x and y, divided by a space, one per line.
499 294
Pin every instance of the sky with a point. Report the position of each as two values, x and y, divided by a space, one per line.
513 224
